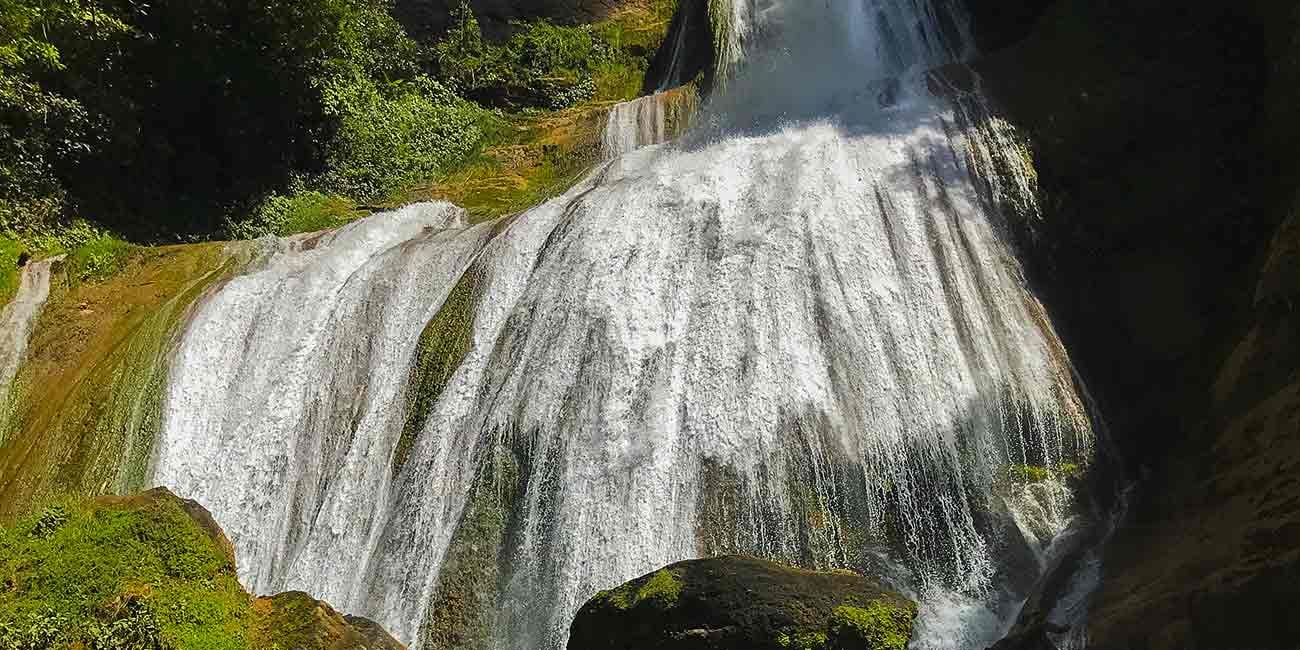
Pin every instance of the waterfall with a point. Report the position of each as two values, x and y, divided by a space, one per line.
17 317
797 334
645 121
632 125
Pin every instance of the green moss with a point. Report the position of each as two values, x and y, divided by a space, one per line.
530 158
462 613
663 588
291 621
1028 473
138 569
86 404
442 346
877 626
802 640
1039 474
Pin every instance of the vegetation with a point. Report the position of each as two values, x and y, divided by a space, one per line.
148 572
877 626
307 211
661 589
125 573
1038 473
218 117
802 640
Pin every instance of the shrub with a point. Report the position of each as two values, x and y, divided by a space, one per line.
394 135
541 65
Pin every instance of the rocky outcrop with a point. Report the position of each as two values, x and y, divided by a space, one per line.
150 571
1165 140
298 621
738 602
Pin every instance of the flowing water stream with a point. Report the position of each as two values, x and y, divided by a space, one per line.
797 333
17 317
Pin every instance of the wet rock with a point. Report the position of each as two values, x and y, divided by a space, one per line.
738 602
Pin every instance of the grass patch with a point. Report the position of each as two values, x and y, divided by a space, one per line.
98 258
531 157
307 211
10 249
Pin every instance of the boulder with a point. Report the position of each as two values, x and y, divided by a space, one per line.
745 603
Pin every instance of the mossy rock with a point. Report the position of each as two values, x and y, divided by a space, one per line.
149 572
296 621
739 602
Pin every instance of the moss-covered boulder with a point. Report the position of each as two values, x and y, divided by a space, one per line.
149 572
738 602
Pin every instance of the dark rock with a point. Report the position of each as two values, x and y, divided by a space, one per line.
1164 138
738 602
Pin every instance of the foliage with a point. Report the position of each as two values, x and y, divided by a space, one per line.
397 134
43 127
541 65
183 119
157 118
140 575
305 211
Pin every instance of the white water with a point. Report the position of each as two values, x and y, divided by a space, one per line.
17 317
811 298
632 125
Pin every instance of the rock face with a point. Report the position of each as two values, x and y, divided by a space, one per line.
150 571
1165 140
744 603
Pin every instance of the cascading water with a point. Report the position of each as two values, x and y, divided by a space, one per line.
16 318
798 334
632 125
644 121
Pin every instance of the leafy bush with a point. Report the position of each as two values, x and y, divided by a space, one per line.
541 65
42 128
394 135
